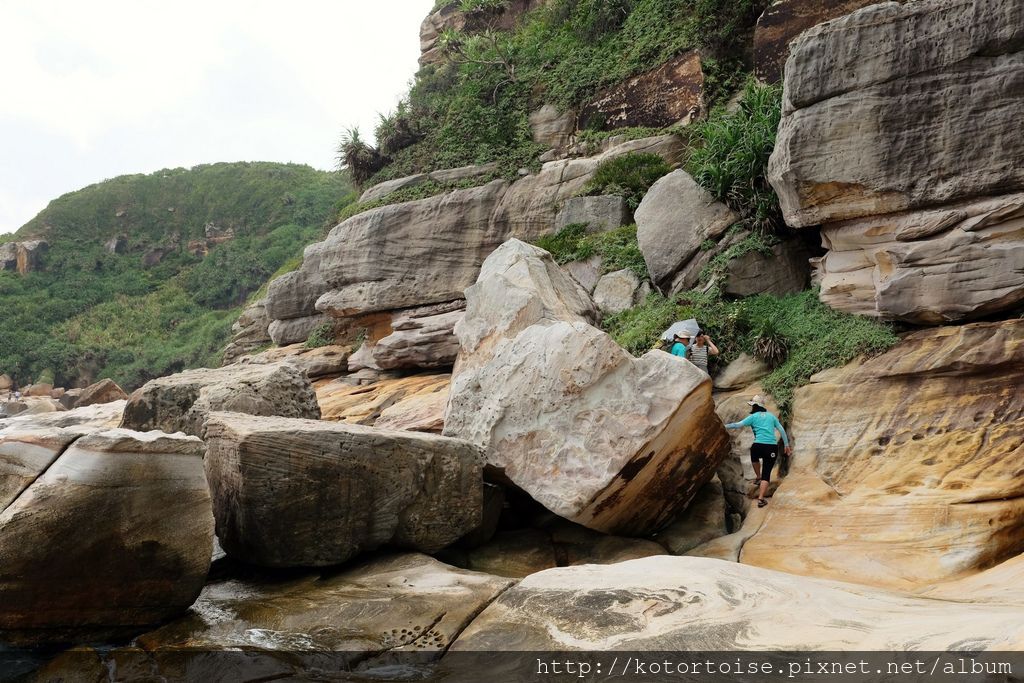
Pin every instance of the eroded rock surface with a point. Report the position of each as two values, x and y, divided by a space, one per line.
699 604
907 467
922 208
100 533
372 615
289 493
180 403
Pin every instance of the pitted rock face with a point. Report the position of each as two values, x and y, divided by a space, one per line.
907 467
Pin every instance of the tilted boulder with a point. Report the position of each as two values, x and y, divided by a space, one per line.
676 217
906 468
180 403
101 533
618 291
931 188
681 604
598 437
290 493
104 391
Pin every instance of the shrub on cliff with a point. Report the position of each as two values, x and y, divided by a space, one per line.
813 336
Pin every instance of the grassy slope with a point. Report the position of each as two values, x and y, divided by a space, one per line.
90 313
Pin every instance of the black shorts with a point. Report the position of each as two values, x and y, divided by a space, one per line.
768 454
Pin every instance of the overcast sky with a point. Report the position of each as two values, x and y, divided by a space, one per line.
93 90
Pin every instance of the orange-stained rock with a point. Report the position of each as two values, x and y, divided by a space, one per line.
908 468
393 400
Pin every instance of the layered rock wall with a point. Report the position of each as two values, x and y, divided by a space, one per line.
913 191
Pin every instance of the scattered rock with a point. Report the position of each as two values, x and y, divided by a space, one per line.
670 94
697 604
321 361
94 417
617 292
180 403
250 332
104 391
289 493
422 412
409 254
674 219
23 257
906 469
105 532
38 390
529 209
742 372
599 214
420 340
552 127
295 330
70 398
587 273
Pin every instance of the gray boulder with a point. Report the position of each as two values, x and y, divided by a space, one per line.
290 493
784 271
552 127
674 219
181 403
599 214
617 292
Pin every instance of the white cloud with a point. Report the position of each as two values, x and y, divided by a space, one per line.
94 90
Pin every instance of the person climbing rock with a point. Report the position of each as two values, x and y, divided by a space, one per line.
764 451
700 349
680 345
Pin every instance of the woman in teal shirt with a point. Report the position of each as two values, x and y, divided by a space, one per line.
679 345
764 450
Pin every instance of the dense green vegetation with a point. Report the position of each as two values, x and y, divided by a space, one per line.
90 313
810 335
617 248
730 152
475 108
629 176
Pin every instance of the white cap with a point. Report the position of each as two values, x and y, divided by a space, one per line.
756 401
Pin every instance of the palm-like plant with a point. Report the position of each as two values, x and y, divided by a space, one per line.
360 159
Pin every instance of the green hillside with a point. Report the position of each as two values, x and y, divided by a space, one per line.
145 274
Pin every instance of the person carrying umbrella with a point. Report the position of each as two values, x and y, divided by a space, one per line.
764 450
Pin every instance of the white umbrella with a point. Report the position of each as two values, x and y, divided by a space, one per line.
683 328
